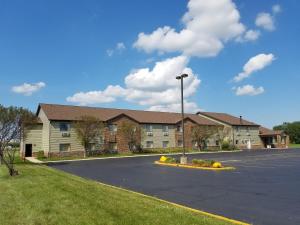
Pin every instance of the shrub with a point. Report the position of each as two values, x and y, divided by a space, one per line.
40 155
225 145
203 163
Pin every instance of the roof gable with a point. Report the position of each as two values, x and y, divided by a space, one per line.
228 119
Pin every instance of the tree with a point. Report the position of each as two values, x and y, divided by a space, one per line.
88 130
201 133
223 135
14 124
132 133
291 129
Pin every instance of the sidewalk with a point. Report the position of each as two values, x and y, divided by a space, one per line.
33 160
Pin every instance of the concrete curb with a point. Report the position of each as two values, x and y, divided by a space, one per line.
193 167
136 156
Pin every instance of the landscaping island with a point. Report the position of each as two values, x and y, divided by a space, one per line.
196 164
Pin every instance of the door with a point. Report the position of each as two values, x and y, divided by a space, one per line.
28 150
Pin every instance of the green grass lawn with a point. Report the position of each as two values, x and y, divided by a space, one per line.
294 145
42 195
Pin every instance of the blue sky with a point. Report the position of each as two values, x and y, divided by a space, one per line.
91 53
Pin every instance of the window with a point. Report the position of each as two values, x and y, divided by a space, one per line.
64 147
179 143
149 144
165 144
179 128
165 128
92 146
236 142
217 143
112 127
113 146
149 128
63 127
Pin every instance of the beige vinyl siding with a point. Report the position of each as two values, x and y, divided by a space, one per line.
34 137
56 138
45 131
158 135
243 134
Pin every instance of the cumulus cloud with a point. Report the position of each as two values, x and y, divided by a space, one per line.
191 107
154 88
249 90
207 26
254 64
119 48
250 35
267 20
95 97
276 8
28 89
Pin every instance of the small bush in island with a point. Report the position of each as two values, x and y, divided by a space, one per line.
206 163
226 146
166 159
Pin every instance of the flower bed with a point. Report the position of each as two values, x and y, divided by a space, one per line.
196 163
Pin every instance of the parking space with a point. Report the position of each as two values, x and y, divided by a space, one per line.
264 189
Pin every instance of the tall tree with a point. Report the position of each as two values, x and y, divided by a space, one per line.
292 129
88 129
132 133
201 133
14 124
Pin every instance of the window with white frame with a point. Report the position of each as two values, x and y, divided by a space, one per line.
165 144
179 143
165 128
179 128
149 144
112 128
64 126
149 128
64 147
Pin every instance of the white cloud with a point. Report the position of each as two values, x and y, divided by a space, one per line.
28 89
276 8
190 107
96 97
207 26
249 90
254 64
252 35
109 52
266 21
119 48
155 88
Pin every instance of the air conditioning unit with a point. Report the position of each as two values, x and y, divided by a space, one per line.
65 134
166 133
149 134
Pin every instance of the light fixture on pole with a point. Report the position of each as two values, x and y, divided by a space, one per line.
183 158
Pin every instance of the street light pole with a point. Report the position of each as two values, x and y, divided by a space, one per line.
183 159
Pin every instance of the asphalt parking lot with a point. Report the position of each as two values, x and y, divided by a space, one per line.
264 188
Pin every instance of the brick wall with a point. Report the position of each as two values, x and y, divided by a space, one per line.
118 137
